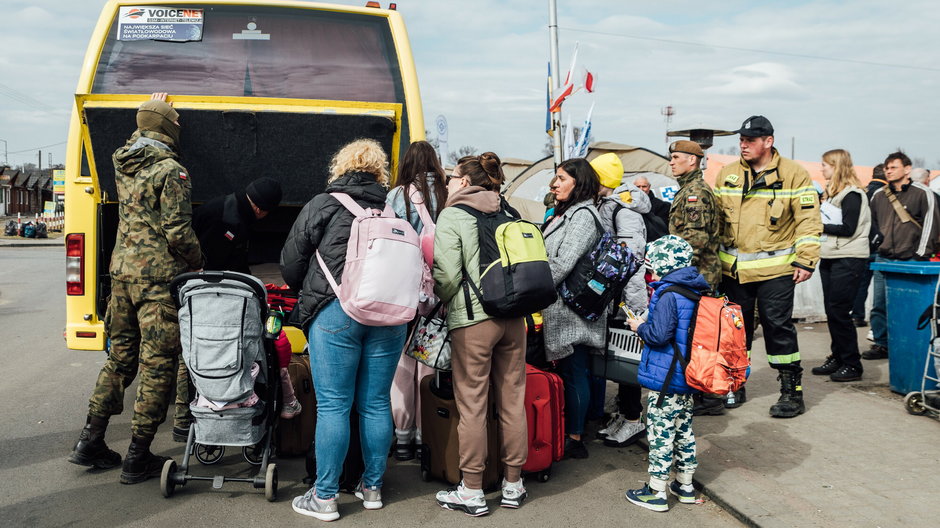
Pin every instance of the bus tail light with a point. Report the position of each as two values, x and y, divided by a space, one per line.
75 264
393 6
374 4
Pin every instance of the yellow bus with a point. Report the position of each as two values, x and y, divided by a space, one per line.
263 88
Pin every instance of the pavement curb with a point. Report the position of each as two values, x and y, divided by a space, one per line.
717 499
35 244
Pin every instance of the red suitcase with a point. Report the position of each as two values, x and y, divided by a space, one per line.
545 417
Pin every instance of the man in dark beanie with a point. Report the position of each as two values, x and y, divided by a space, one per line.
223 225
155 243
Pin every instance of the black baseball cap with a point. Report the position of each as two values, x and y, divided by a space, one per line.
756 126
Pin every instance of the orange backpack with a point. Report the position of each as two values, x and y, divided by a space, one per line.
717 360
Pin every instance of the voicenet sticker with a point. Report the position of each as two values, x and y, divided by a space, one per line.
160 23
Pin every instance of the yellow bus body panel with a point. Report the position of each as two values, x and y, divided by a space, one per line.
83 193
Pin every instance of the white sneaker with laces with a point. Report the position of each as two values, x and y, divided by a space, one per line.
513 494
290 410
470 501
628 433
612 425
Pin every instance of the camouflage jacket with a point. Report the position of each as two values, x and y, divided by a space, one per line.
695 217
155 239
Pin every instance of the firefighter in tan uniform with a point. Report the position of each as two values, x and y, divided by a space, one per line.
769 244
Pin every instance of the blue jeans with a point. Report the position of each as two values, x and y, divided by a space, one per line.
576 374
879 308
352 362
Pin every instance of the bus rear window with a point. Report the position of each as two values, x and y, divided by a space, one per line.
262 52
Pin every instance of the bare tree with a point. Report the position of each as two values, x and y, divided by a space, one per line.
465 150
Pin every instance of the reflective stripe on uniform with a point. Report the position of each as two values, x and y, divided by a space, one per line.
765 192
807 240
760 259
783 359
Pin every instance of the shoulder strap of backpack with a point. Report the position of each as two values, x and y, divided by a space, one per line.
613 219
418 201
898 208
677 355
346 201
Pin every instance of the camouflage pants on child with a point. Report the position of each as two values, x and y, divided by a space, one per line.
670 436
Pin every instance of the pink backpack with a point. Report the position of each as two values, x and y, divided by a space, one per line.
426 300
426 236
384 267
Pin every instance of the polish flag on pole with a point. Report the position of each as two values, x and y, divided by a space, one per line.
578 77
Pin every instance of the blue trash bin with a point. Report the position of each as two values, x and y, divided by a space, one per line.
909 287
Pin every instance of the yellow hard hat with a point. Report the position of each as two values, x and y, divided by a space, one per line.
609 169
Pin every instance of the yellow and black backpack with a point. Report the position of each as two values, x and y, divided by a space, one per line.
515 279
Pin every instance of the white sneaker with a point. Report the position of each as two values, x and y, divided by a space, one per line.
290 410
371 497
470 501
615 422
513 494
628 433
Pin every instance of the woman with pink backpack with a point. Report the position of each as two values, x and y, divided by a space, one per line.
419 194
354 321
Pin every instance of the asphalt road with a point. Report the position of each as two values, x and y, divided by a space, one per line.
44 401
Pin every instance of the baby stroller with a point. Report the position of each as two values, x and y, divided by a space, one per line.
927 399
222 316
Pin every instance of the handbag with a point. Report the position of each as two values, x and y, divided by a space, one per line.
429 339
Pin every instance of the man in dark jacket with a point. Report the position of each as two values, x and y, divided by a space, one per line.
657 220
155 242
223 226
908 219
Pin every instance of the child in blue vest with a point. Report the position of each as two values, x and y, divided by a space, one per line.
668 422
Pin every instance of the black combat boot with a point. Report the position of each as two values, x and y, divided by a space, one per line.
140 464
790 403
708 405
90 450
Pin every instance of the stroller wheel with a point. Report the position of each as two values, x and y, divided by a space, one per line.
253 454
270 483
914 403
209 454
166 478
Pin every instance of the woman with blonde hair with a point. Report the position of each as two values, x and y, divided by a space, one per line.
843 258
351 362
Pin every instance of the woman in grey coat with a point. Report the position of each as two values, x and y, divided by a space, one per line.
569 338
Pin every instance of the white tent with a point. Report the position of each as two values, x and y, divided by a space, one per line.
527 191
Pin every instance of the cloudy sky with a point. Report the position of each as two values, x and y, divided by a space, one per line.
861 75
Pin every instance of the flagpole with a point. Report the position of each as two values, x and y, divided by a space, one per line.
556 78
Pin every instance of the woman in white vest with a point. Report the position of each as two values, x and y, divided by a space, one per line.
843 257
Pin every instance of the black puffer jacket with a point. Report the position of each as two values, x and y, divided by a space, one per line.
323 224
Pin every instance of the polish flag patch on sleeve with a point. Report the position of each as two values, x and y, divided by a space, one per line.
229 235
692 198
183 176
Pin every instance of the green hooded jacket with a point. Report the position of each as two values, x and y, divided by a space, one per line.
155 239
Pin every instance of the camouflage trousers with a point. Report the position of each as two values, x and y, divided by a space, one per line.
669 433
142 324
181 416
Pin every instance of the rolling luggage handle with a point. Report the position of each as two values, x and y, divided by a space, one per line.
543 428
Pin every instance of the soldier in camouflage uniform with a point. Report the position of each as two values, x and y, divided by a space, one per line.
669 404
695 215
155 242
